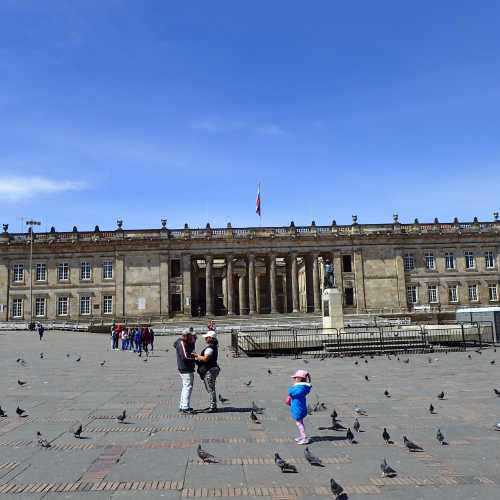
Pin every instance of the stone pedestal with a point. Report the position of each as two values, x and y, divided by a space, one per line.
333 313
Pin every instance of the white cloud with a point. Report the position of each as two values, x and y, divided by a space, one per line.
218 126
13 188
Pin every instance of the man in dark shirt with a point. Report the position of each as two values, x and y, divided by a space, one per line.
184 349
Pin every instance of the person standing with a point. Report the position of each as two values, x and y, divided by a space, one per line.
151 338
184 350
208 368
297 399
138 340
40 329
114 333
145 340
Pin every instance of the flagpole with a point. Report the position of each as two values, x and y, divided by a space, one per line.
260 210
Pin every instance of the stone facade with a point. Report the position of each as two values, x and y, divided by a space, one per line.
158 274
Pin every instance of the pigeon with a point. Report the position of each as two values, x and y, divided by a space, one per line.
306 361
356 425
102 363
205 456
440 437
78 359
2 413
386 394
67 355
20 411
284 465
255 408
407 360
349 435
43 443
410 445
121 418
360 411
497 392
334 414
313 460
356 363
223 400
429 360
386 437
497 426
269 372
253 418
367 378
387 470
337 426
323 406
145 360
431 409
249 383
492 362
441 395
41 355
21 382
78 432
336 489
469 356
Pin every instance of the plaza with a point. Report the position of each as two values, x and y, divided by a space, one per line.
153 454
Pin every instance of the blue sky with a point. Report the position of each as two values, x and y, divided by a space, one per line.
148 110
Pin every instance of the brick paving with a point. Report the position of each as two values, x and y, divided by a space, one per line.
153 455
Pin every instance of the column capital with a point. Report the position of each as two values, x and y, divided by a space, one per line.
209 258
251 257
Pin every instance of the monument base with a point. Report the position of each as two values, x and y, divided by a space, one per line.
333 311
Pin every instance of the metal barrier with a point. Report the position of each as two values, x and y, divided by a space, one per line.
354 341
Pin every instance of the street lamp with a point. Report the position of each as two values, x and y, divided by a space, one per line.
31 223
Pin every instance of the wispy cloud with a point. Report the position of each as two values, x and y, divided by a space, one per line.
218 126
14 188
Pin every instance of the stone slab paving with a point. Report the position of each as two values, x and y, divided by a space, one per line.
153 455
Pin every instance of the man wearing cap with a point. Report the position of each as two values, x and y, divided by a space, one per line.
208 369
184 349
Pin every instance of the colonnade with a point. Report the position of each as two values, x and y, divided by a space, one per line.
275 275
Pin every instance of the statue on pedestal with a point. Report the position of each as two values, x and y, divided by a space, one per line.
329 279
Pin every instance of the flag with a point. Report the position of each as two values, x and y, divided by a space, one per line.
257 201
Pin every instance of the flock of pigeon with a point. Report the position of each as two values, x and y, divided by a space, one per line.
285 467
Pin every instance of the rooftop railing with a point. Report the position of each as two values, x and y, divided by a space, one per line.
311 231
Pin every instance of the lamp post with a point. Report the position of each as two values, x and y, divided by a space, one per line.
31 223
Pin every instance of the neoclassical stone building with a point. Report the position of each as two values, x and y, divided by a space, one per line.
163 273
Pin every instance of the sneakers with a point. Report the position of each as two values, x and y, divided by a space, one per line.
303 441
186 411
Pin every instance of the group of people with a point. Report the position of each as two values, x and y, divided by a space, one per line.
137 339
205 364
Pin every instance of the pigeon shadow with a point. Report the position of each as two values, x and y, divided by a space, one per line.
83 437
335 429
235 409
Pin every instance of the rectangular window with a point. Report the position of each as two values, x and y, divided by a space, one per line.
62 306
349 296
489 260
40 307
409 262
493 292
41 272
453 294
432 294
347 263
469 260
84 305
85 271
473 293
175 268
449 259
18 273
107 270
63 271
430 263
17 308
412 294
176 302
107 304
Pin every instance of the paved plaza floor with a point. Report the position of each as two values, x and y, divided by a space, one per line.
153 455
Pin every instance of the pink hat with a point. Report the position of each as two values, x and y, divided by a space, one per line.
300 374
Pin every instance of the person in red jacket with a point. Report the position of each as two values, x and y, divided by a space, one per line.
146 339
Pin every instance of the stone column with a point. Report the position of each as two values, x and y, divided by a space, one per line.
209 285
309 284
258 304
295 283
272 283
230 285
316 294
359 279
186 284
251 283
242 294
119 275
164 287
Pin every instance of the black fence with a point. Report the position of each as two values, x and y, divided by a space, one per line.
354 341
